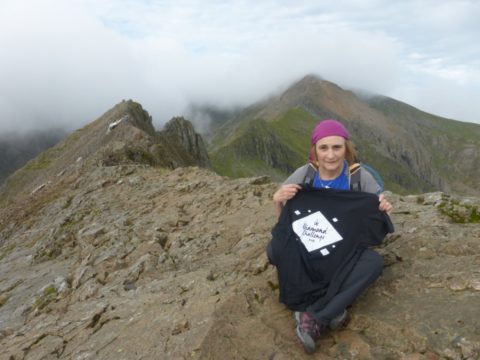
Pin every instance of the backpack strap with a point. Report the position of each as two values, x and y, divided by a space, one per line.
309 176
354 177
355 184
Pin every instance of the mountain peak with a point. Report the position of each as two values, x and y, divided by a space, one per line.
313 94
123 135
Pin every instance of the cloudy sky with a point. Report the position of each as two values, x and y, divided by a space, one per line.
67 62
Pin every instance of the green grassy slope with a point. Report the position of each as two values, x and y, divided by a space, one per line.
453 146
254 149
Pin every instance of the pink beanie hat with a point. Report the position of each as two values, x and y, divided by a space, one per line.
328 127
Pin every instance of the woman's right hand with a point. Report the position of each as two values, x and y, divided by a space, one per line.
286 192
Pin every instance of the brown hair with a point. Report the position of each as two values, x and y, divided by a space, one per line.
350 154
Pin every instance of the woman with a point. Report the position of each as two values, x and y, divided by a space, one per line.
331 155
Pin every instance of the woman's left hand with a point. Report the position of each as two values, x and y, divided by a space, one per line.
384 204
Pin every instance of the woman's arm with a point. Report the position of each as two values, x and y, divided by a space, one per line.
369 184
289 188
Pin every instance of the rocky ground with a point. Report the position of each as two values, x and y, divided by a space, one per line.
135 262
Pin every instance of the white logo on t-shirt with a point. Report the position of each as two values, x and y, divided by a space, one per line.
316 232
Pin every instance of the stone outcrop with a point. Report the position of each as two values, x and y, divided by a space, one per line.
181 131
136 262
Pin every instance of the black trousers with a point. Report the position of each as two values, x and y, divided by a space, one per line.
367 269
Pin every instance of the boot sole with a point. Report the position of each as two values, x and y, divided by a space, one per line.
306 340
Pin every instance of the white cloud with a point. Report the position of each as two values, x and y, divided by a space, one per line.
456 103
68 62
59 63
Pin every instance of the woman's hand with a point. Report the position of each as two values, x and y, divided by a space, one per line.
384 204
286 192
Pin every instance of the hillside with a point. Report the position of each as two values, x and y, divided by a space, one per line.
414 151
454 146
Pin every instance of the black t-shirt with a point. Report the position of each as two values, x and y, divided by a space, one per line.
318 238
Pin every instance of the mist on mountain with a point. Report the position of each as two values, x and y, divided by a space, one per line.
17 148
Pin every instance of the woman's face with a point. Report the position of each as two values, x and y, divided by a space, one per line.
331 152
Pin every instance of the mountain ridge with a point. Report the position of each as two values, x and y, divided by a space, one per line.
122 135
413 150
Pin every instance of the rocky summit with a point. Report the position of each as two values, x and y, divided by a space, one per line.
135 262
111 250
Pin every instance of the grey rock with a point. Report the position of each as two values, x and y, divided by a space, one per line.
81 275
61 284
181 273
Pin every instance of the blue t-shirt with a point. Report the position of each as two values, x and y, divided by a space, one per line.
341 182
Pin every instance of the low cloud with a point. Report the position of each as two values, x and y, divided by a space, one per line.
65 64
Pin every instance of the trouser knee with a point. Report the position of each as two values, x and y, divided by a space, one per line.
269 251
375 262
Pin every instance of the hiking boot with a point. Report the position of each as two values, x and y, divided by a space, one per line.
308 330
338 321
